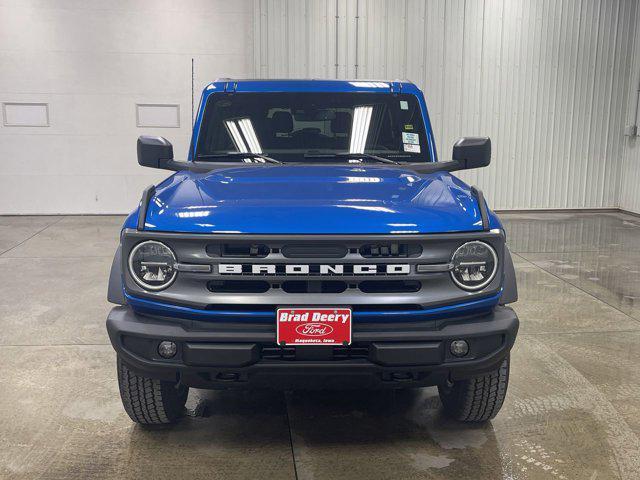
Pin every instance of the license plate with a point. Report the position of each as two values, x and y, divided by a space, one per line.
313 326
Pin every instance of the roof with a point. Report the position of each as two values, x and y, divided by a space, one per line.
311 85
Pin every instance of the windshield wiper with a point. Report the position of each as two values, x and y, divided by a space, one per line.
350 155
239 155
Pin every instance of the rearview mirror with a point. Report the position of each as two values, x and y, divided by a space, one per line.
155 152
472 152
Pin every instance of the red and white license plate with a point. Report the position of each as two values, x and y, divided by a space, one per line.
313 326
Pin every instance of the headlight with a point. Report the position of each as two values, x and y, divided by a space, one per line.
474 265
151 265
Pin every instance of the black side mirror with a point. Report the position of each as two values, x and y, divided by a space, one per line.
155 152
472 152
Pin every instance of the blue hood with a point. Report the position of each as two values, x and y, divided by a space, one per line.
298 199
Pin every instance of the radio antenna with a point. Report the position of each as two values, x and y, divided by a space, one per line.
192 93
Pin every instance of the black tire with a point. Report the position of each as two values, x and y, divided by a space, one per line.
149 401
476 399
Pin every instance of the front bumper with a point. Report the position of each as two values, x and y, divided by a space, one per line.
226 355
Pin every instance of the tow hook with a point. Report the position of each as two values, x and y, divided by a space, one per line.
403 376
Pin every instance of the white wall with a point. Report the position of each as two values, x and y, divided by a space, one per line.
547 80
91 61
630 177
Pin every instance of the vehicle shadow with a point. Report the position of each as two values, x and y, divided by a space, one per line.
330 434
224 434
387 434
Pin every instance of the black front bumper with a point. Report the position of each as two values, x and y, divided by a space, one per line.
224 355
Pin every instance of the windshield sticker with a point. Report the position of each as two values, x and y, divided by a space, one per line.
404 105
411 138
409 147
408 126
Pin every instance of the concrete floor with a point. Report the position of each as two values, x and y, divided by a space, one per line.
573 408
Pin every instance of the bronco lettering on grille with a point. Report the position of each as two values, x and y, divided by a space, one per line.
313 269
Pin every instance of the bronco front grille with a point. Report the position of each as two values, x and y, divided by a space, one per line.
259 273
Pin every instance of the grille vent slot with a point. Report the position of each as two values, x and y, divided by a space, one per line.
238 250
389 286
390 250
314 251
302 286
350 351
238 286
279 353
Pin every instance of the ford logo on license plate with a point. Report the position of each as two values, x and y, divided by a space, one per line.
313 326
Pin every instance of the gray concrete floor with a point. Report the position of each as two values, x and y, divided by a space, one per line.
573 408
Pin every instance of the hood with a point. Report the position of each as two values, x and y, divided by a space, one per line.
302 199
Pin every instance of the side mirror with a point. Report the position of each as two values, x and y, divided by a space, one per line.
155 152
472 152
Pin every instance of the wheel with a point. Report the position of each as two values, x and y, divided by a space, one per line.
477 399
149 401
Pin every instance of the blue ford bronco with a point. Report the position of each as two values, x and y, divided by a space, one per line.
312 239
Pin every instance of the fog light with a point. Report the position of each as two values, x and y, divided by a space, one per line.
167 349
459 348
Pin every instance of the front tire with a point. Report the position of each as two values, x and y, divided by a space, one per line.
149 401
477 399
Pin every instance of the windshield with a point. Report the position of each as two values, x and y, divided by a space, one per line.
308 126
